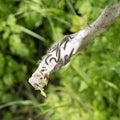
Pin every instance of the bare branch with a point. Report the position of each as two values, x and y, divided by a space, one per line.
60 54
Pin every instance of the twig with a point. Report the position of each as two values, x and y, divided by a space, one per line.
60 54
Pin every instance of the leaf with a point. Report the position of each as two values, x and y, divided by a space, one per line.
42 92
17 46
110 84
32 33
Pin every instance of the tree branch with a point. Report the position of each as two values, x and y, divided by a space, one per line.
60 54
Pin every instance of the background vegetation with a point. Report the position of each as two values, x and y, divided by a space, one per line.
86 89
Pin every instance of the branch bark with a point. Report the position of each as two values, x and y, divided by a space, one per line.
60 54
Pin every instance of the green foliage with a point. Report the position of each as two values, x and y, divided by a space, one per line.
86 89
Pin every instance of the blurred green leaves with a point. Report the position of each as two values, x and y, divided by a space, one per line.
85 89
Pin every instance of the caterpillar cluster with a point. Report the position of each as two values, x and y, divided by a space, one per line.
58 58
